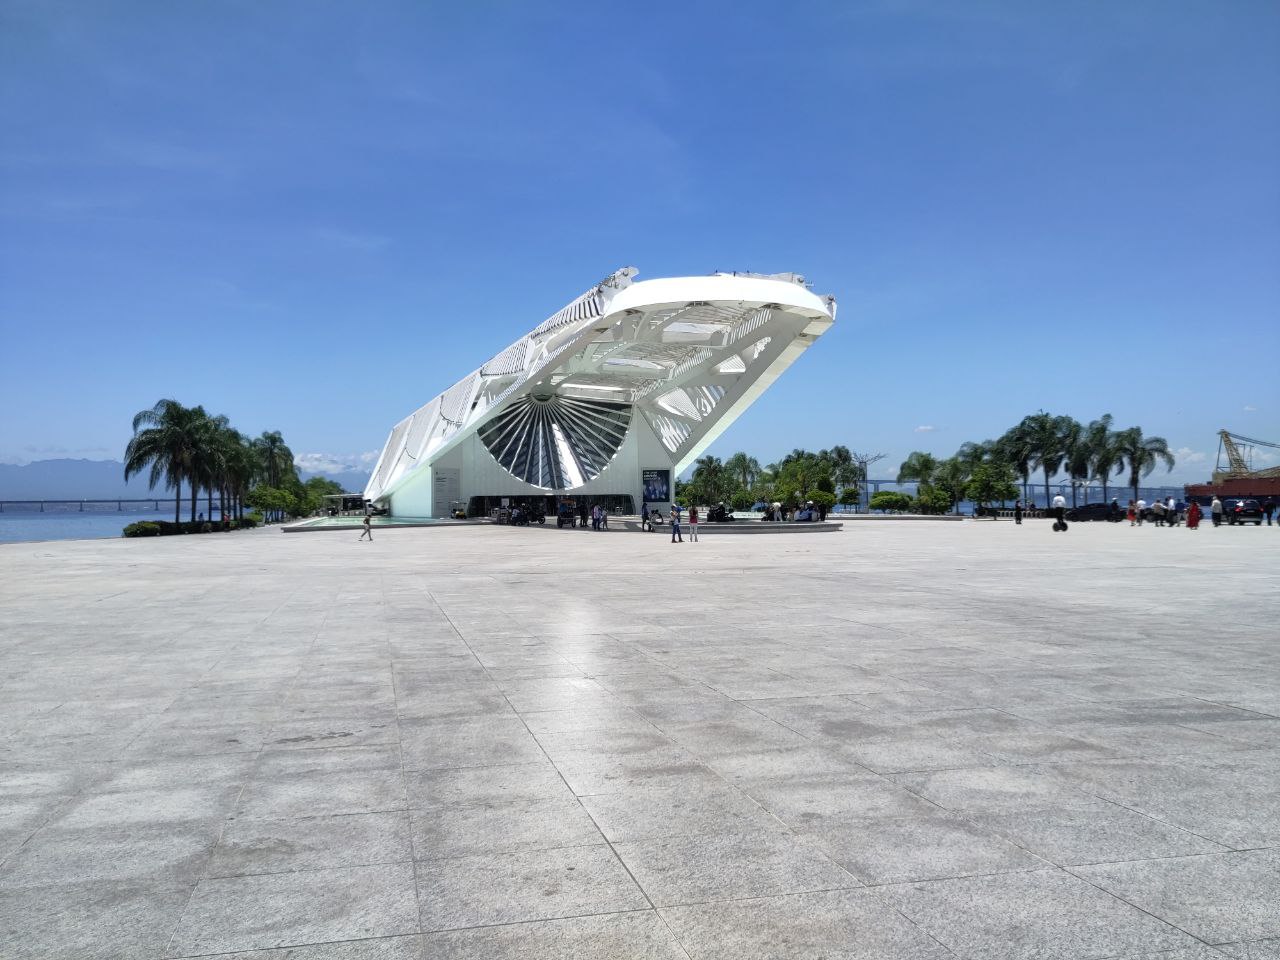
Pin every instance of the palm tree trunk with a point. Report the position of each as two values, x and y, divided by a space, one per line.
177 502
1047 499
209 491
195 492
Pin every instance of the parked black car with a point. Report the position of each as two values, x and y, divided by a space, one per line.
1094 511
1242 511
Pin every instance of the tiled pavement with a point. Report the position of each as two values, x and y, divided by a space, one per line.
904 741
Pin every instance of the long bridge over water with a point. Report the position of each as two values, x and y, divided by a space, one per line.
159 503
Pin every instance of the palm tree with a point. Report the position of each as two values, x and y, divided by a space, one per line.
745 469
1046 436
274 457
1141 454
920 467
1014 448
708 481
1076 453
1101 440
166 438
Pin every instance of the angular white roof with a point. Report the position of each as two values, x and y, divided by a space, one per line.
687 354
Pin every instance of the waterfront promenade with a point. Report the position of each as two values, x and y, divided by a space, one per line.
902 741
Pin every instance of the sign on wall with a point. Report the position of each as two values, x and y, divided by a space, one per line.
656 485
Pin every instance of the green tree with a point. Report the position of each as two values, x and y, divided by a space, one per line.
890 500
1075 449
952 478
744 469
1141 454
823 501
849 496
1014 448
1104 454
992 482
275 459
919 466
1047 439
166 439
932 500
710 482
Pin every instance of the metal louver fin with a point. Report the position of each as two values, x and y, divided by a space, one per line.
557 442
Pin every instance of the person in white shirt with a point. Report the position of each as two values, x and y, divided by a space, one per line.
1142 508
1060 509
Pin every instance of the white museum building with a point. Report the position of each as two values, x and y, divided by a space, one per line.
606 401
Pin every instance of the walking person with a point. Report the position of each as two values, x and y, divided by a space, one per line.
693 524
1157 512
1215 511
1132 513
1017 512
1059 512
368 528
1193 516
604 518
1142 508
1268 509
675 525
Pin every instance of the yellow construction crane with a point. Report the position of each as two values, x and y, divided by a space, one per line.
1237 465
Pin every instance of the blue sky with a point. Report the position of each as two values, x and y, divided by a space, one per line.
314 216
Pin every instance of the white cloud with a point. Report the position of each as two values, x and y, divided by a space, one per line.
1185 455
925 428
1250 408
351 239
334 462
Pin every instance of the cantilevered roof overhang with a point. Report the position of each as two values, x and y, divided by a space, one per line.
685 354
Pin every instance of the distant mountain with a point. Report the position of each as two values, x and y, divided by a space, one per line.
104 479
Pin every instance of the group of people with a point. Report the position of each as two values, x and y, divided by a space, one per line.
652 519
1163 513
597 515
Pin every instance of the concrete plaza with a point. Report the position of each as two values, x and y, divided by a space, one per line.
903 740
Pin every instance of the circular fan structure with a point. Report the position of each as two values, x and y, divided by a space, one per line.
557 442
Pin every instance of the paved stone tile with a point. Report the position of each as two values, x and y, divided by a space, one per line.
376 948
1251 950
178 850
930 847
1218 897
614 773
695 869
1045 915
834 925
1099 832
471 785
911 685
528 885
317 793
694 805
440 700
986 789
332 732
617 936
251 846
467 742
280 909
815 801
93 920
461 831
159 805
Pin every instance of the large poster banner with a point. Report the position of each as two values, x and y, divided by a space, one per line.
657 485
